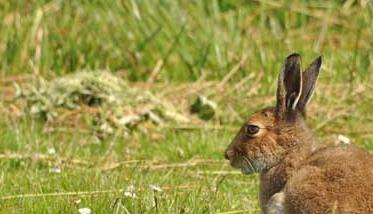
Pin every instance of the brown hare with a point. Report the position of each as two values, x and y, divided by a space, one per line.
296 174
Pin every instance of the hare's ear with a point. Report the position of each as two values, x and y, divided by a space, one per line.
289 85
309 78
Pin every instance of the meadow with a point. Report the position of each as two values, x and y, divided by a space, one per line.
229 51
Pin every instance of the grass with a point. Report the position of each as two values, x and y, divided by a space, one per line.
200 191
191 38
190 41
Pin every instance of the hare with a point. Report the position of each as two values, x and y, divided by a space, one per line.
296 174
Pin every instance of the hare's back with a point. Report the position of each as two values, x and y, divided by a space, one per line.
338 178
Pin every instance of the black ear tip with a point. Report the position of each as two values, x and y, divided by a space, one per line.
293 59
318 60
293 56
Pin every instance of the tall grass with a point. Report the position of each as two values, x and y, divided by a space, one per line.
190 37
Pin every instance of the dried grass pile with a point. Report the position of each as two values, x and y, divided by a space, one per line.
100 100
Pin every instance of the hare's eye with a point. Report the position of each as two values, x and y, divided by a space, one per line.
252 130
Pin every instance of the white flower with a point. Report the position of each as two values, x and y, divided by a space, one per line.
130 191
155 188
78 201
131 188
52 151
130 194
55 169
84 210
343 139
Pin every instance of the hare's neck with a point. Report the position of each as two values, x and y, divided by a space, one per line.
274 180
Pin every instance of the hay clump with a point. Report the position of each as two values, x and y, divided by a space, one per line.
109 102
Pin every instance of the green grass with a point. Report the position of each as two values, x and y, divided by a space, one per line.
191 37
203 192
194 39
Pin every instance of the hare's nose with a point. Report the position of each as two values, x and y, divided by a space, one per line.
228 154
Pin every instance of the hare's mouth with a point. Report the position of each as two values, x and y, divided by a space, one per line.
248 166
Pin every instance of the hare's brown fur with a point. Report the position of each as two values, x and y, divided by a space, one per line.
338 176
296 174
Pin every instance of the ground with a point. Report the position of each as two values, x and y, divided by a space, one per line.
229 51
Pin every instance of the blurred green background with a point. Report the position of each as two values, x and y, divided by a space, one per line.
230 50
191 37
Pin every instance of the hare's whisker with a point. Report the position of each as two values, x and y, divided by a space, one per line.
248 161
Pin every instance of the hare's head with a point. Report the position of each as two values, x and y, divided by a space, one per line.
268 135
